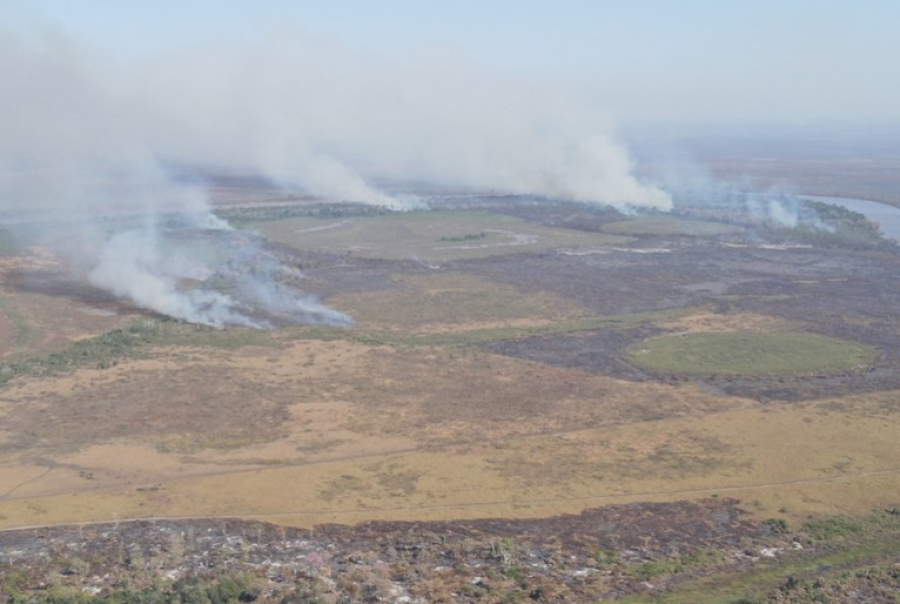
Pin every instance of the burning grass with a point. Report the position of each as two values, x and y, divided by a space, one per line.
752 354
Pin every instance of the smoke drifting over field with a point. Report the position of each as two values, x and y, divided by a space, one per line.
132 231
314 115
694 188
775 205
85 138
78 167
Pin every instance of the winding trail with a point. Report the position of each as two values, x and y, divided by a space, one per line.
6 496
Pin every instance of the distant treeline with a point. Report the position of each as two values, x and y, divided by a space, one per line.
461 238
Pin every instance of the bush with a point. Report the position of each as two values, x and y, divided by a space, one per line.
778 525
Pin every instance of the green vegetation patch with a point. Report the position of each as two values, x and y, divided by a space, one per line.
842 560
830 528
471 337
249 215
467 237
740 353
113 346
667 226
19 324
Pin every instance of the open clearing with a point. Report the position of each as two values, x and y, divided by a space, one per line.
428 236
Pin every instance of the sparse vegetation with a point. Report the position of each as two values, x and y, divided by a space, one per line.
462 238
848 565
681 552
22 330
778 525
108 349
827 529
249 215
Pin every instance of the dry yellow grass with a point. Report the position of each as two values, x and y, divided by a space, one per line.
308 431
709 321
31 259
379 447
777 462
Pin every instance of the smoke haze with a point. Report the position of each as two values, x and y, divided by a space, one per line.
85 137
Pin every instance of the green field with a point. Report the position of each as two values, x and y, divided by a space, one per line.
739 353
850 558
429 236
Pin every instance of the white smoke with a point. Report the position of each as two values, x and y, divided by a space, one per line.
772 205
308 113
313 115
74 162
693 186
131 230
86 138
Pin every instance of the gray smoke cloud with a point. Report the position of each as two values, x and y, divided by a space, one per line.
87 139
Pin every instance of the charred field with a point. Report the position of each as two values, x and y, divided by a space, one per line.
676 552
488 381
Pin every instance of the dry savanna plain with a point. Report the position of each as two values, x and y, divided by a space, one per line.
509 359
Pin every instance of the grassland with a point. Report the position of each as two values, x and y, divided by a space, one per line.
743 353
668 226
428 236
426 410
338 418
853 561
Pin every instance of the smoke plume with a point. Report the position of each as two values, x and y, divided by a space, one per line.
87 139
310 114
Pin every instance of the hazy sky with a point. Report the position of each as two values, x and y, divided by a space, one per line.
769 59
341 99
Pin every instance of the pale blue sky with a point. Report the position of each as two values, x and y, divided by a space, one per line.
772 59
